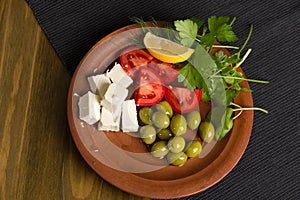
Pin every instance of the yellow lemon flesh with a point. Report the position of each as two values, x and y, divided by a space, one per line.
166 50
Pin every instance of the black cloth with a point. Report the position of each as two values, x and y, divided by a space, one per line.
269 169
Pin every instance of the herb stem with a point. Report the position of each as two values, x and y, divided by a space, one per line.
240 108
237 105
254 108
247 40
240 78
237 115
223 46
234 104
233 20
243 59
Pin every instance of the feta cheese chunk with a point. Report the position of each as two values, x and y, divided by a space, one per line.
113 99
129 116
89 108
119 76
115 93
115 108
99 84
107 123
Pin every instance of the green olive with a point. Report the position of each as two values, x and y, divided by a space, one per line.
148 134
164 134
145 115
164 107
176 144
193 148
206 131
176 158
193 119
160 120
159 149
178 125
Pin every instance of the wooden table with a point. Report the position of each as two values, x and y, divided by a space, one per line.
38 159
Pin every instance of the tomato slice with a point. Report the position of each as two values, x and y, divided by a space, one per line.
149 89
132 58
182 100
167 71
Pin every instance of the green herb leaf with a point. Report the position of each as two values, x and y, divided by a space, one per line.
230 95
220 55
187 30
227 125
190 77
214 22
219 27
225 34
208 40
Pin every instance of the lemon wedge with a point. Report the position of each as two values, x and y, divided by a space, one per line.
166 50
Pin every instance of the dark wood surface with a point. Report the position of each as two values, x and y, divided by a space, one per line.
38 159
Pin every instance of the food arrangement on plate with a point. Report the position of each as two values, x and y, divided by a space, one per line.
156 88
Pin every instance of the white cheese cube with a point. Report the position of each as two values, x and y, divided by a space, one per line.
114 107
107 123
115 93
113 99
119 76
89 108
129 116
99 84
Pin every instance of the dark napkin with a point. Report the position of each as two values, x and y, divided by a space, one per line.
269 169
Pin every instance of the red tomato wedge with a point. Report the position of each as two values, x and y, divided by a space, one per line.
132 58
182 100
167 71
149 88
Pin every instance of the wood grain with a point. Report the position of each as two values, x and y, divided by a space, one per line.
38 159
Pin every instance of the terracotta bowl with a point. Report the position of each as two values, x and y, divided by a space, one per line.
124 161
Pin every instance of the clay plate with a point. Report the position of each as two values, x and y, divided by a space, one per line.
124 161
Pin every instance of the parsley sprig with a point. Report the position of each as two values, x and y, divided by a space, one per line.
218 29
